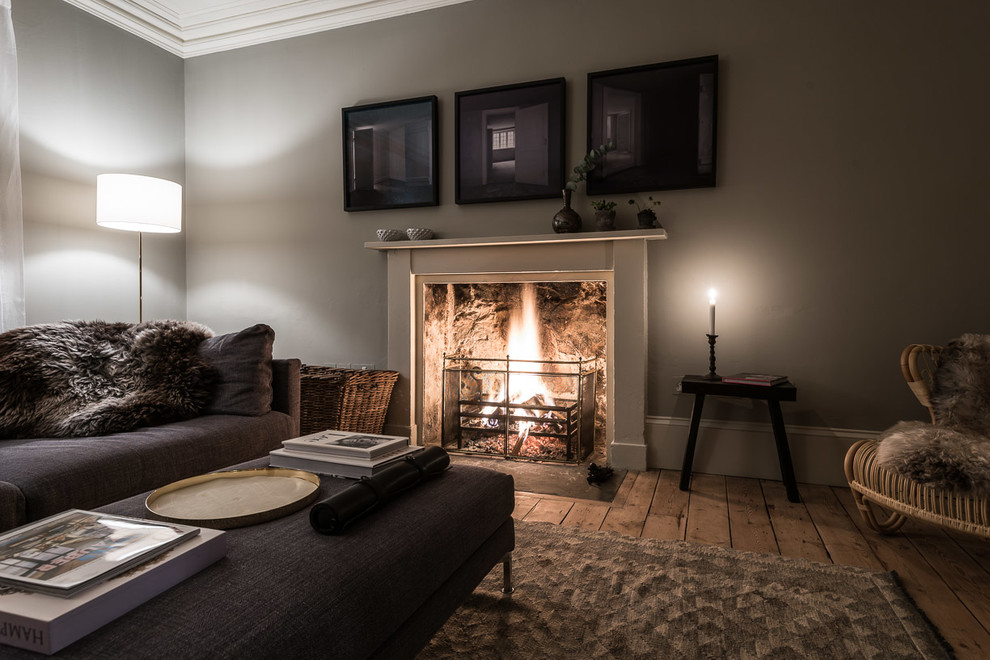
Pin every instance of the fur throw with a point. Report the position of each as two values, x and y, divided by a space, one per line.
88 378
955 452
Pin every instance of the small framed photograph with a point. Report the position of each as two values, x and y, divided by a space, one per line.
390 155
661 122
509 142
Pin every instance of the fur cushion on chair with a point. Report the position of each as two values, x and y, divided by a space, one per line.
88 378
955 452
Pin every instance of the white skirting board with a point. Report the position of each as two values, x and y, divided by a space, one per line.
737 449
747 449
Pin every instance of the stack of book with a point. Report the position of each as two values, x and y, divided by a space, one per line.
341 453
747 378
69 574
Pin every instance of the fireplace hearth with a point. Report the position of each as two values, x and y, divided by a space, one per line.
540 410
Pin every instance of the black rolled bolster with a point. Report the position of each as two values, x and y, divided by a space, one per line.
332 515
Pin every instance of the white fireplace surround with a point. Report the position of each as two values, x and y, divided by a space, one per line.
617 257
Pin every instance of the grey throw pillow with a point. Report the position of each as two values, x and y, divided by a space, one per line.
243 361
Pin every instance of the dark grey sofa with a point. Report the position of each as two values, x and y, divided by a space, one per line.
43 476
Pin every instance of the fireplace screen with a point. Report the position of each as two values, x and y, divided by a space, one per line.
520 409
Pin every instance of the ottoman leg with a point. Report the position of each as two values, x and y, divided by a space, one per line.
507 587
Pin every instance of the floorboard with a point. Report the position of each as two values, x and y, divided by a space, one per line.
630 518
843 542
586 515
524 504
667 516
551 511
977 548
958 570
792 526
749 522
708 513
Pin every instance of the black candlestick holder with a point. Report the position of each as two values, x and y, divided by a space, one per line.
711 359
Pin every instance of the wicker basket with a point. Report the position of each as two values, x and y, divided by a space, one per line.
344 399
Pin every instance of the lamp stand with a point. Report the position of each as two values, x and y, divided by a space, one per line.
140 278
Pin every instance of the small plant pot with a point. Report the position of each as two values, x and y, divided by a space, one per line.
605 220
647 219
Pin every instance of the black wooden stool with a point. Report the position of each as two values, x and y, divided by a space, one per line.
699 386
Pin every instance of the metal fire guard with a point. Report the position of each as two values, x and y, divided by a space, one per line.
479 418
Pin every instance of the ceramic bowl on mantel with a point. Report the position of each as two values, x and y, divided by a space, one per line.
390 235
419 234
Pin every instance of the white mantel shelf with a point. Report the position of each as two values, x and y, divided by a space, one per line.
535 239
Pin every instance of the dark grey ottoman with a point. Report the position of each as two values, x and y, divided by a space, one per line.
381 589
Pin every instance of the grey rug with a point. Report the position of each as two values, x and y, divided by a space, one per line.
601 595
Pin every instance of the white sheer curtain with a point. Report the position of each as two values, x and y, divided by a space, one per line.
11 223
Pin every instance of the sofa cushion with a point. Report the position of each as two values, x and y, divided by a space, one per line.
243 364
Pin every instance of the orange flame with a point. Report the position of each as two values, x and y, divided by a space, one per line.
524 344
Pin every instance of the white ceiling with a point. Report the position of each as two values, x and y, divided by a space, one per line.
197 27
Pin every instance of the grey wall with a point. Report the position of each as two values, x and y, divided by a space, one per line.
850 216
94 99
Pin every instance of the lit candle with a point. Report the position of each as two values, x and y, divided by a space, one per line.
711 309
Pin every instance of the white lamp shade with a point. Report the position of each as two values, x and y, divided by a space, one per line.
138 203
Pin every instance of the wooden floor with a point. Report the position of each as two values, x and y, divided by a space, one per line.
948 575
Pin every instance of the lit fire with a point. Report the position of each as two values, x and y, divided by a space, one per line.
524 344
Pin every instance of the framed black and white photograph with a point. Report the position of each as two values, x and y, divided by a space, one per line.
509 142
390 155
661 122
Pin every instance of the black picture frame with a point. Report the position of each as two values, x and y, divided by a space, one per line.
391 154
509 142
661 120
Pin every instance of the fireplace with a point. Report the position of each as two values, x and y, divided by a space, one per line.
495 353
616 258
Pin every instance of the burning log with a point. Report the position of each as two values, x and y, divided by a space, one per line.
538 401
520 439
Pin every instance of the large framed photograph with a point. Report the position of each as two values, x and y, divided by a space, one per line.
390 155
509 142
661 122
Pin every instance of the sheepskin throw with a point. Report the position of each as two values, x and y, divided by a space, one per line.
87 378
955 452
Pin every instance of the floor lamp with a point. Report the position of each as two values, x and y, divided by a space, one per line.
138 203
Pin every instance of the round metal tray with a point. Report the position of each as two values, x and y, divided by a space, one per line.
224 500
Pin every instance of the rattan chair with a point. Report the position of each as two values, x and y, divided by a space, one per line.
887 499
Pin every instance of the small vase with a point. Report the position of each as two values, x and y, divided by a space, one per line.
605 220
566 220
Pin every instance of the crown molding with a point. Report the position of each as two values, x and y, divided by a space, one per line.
217 27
